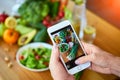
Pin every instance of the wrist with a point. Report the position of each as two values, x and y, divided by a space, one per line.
70 77
114 65
111 62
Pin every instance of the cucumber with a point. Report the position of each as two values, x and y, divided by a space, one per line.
78 75
41 36
73 52
37 26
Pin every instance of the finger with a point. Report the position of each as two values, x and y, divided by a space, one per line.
87 47
55 53
83 59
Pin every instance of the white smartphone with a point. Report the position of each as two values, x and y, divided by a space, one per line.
69 45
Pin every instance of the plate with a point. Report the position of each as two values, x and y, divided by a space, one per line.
32 45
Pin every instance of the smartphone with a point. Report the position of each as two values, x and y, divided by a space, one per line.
69 45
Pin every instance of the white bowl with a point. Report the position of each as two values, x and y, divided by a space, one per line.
32 45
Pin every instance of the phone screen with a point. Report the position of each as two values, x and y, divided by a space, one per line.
68 45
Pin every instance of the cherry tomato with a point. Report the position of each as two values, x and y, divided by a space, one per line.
46 23
47 18
61 14
46 63
37 57
3 16
57 18
21 57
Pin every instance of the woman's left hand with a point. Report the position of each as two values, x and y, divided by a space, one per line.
57 70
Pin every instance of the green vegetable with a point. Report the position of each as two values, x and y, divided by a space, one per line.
39 26
41 36
63 34
31 62
41 65
68 14
73 52
2 29
21 21
33 11
78 2
78 75
63 47
30 59
54 8
23 29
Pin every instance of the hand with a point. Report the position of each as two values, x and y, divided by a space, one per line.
100 60
58 72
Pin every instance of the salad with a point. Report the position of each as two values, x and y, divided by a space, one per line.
35 58
63 47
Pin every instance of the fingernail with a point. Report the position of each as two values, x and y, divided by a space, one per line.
77 62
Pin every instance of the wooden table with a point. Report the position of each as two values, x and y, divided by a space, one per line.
107 39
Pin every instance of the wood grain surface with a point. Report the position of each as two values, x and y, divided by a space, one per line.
108 38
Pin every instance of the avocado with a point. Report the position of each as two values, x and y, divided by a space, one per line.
26 38
23 29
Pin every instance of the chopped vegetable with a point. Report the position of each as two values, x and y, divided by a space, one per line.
63 47
35 58
73 52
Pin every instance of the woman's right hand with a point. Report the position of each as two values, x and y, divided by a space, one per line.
100 60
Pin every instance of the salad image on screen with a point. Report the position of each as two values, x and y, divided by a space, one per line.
68 45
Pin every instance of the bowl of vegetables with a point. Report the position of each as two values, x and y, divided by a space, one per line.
63 47
34 56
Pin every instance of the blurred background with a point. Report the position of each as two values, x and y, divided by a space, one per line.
107 9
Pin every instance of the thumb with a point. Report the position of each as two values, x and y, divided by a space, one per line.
83 59
55 53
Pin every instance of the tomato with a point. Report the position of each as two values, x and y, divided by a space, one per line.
47 18
3 16
61 14
37 57
46 63
21 57
46 23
